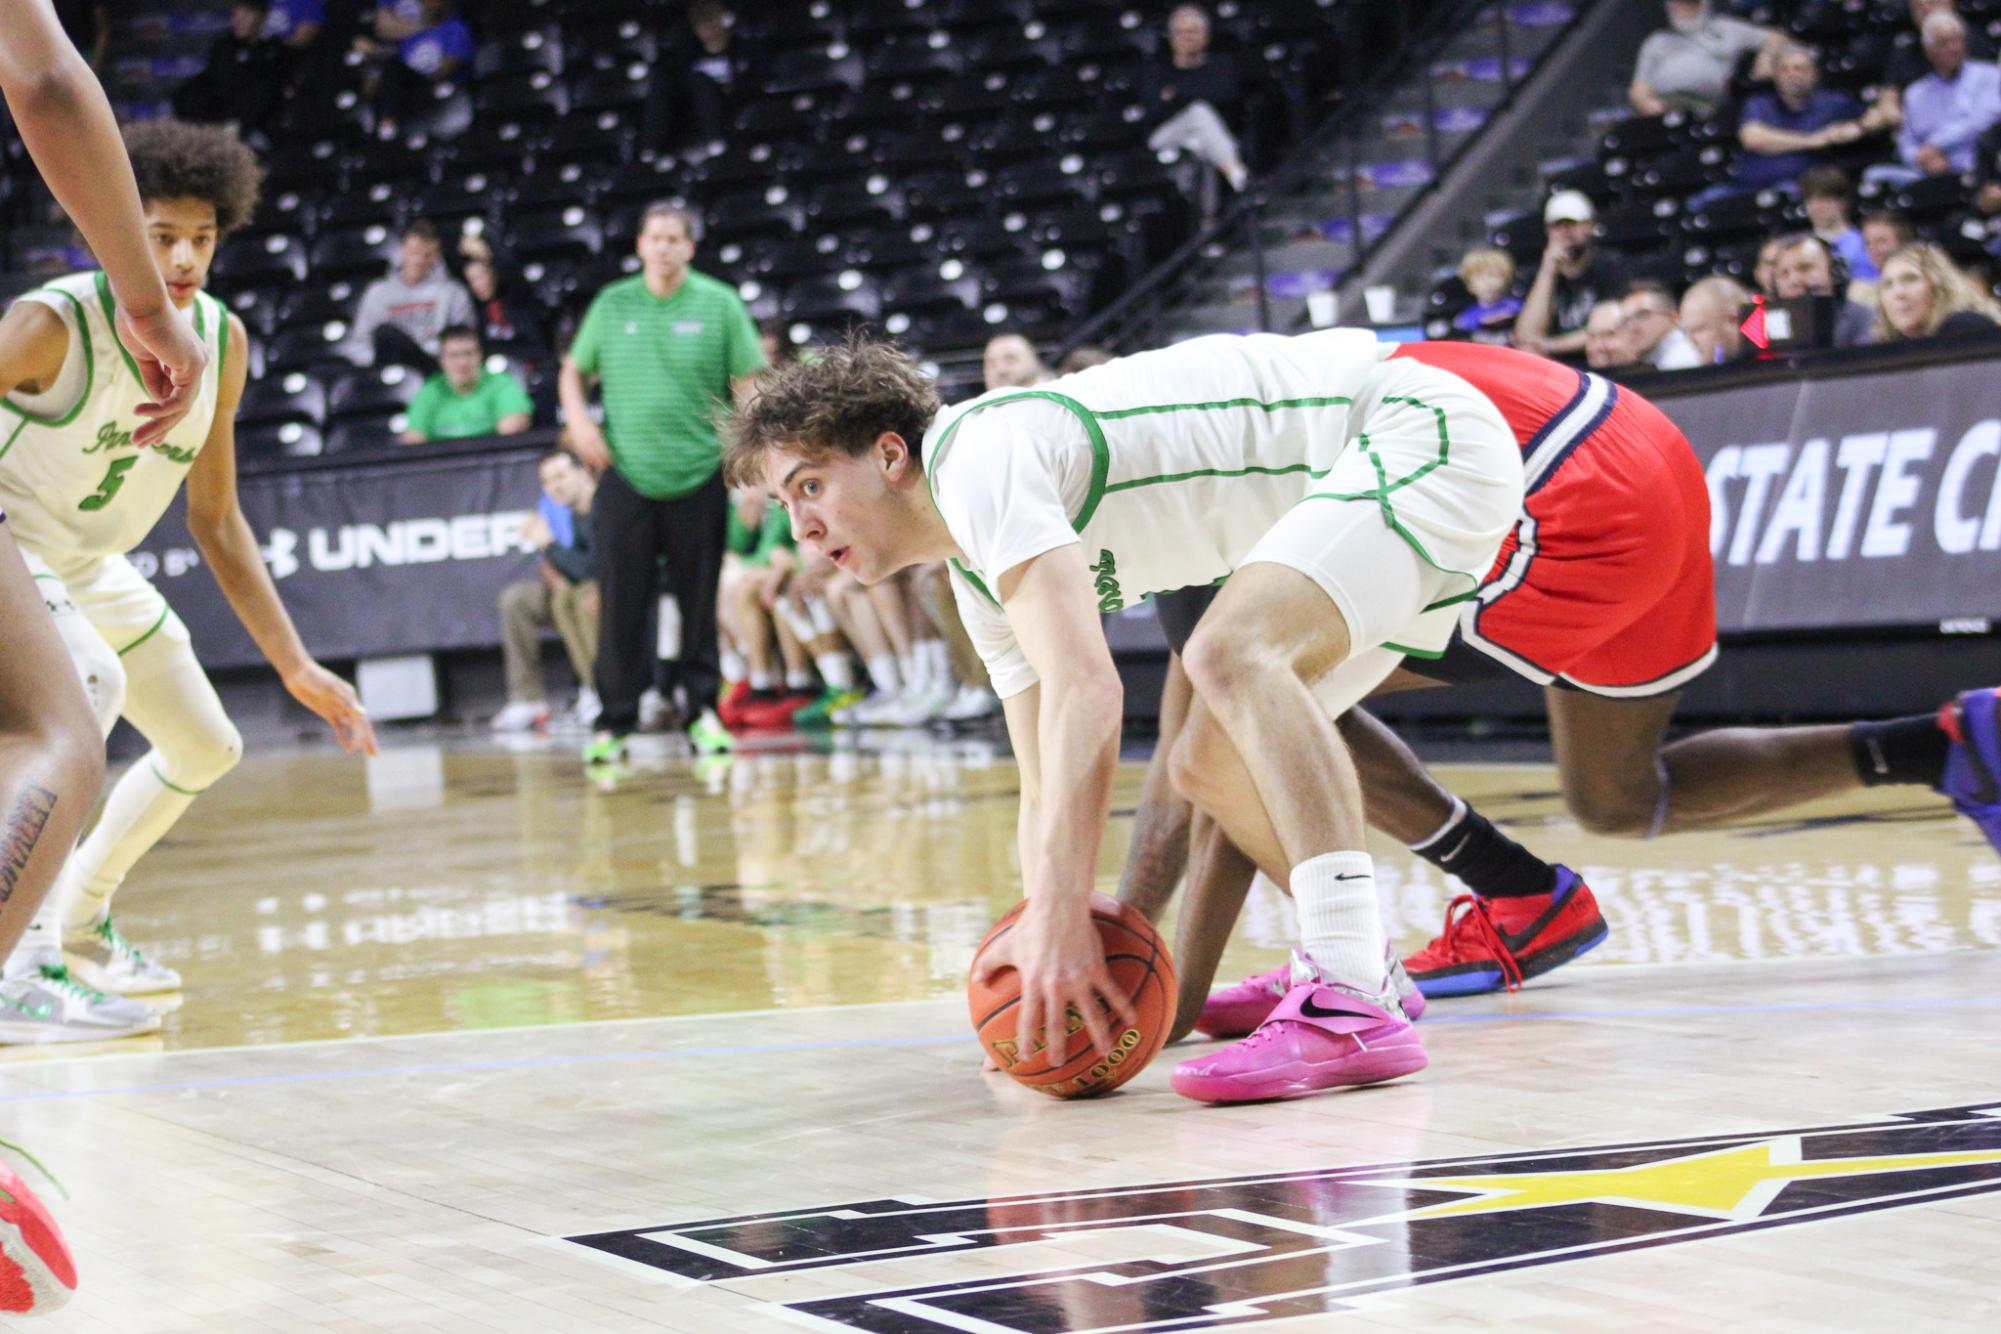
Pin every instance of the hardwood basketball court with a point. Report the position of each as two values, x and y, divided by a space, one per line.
471 1043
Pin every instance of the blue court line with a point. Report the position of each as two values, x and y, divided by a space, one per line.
776 1048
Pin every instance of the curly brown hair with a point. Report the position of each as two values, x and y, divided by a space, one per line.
175 160
840 401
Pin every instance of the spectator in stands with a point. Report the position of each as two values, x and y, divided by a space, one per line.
1489 275
1688 64
672 347
1784 132
1908 63
504 321
1826 195
401 316
563 594
1883 230
1011 362
1651 324
1806 266
1712 315
1573 277
713 70
1766 270
1947 110
296 24
244 77
1193 94
429 49
1923 294
1083 357
776 340
1605 337
465 399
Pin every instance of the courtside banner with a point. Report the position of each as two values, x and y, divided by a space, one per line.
1868 500
407 557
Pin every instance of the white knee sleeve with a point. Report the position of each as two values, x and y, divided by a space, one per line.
169 699
97 664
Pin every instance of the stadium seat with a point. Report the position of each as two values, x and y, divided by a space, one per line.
834 301
871 203
621 88
372 430
566 233
270 441
534 98
306 347
260 259
358 252
294 396
368 391
756 213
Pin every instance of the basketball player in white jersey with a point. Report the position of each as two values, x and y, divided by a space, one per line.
1352 498
81 490
51 760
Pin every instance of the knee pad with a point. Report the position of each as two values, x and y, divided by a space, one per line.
196 757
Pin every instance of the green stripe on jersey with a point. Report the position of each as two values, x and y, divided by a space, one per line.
666 364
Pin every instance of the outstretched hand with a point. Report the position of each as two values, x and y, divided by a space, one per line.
334 700
171 360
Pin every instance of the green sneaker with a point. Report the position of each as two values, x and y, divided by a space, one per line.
709 734
604 748
820 713
109 962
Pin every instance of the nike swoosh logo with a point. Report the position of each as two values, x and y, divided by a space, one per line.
1352 877
1312 1011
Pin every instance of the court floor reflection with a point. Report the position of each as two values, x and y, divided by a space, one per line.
468 885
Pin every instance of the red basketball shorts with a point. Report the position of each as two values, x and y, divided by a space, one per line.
1605 584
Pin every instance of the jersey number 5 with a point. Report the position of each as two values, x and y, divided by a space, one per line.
114 477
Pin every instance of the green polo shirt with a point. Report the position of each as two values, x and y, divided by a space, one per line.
441 412
666 366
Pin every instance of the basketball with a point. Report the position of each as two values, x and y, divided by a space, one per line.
1141 968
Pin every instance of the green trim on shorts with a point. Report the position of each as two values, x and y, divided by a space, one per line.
1101 453
89 377
1408 651
165 611
173 787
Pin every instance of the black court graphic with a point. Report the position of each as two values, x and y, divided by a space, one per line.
1244 1251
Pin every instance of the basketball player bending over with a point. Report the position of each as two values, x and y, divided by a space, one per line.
1353 497
1604 595
83 481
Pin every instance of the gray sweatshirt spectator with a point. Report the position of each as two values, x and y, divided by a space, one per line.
402 315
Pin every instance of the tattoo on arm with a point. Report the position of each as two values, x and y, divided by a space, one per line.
20 833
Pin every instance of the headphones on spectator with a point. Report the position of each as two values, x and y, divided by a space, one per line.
1836 265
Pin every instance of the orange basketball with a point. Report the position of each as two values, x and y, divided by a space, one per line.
1140 967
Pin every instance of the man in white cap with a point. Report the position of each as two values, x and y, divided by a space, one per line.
1574 276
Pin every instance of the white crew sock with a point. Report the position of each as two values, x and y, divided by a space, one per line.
1458 813
836 671
1340 922
735 666
912 668
762 680
883 671
799 680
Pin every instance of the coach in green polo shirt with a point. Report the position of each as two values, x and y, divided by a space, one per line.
465 399
673 348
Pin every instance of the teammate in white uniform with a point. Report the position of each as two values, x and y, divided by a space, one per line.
1351 500
81 491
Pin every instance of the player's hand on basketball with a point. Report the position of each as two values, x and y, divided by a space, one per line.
589 443
1060 956
334 700
171 360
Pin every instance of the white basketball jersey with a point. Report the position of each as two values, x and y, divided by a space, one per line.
1169 465
72 483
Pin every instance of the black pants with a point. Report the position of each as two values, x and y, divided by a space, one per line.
632 535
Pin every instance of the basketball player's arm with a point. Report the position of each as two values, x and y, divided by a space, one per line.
1065 731
33 344
69 130
215 520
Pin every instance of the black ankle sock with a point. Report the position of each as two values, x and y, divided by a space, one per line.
1494 865
1903 750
